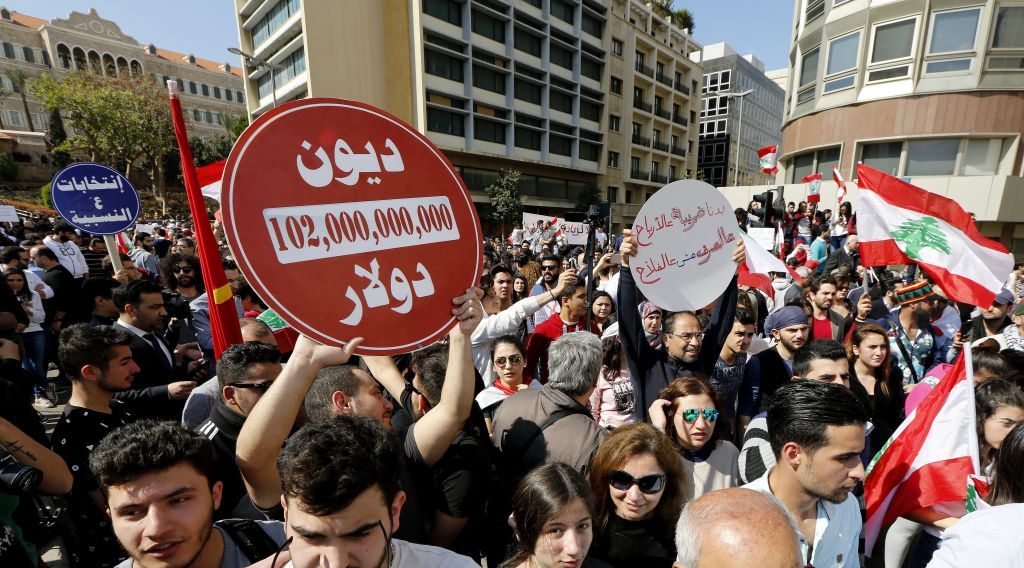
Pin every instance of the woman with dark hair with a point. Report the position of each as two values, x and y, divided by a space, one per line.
553 519
687 410
613 402
508 360
867 348
520 288
1008 479
840 224
841 303
602 309
33 337
637 480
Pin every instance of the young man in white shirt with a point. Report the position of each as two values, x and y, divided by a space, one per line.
817 435
63 244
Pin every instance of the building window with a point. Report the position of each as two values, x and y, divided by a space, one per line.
616 85
803 165
8 50
590 110
273 21
809 67
590 68
446 122
488 79
447 10
954 31
617 47
883 156
1009 32
444 66
559 145
527 42
527 138
561 56
192 87
982 157
30 55
613 122
227 95
893 41
527 91
15 118
206 90
842 54
562 10
613 159
815 8
216 92
591 25
488 130
560 101
488 26
196 116
931 157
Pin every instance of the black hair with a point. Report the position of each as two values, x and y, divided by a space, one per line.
816 283
131 293
508 340
43 250
93 287
148 446
170 262
327 382
431 372
827 349
1008 481
82 345
801 411
140 236
570 289
327 464
668 319
233 365
10 253
501 268
993 362
744 317
990 396
229 264
552 257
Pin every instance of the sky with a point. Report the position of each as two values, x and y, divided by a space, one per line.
206 28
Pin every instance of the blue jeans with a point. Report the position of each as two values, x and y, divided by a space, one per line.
836 243
34 360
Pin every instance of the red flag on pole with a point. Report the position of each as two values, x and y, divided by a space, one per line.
223 317
841 183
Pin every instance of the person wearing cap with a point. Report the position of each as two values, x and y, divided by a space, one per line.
765 372
1013 335
993 320
911 334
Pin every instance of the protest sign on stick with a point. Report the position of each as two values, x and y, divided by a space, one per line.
350 223
685 235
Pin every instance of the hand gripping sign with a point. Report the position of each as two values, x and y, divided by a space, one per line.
349 223
686 234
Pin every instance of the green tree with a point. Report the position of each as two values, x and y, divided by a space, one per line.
589 196
19 79
234 124
681 17
506 205
44 196
3 93
920 234
57 137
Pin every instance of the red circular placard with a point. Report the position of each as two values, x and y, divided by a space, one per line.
331 204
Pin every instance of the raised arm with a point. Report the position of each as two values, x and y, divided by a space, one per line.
505 322
267 427
631 327
721 318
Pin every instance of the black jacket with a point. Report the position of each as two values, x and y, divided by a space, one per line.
148 396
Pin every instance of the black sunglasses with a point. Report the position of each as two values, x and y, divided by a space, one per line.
178 269
648 484
262 387
548 267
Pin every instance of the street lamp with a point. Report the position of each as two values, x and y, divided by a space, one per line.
253 61
739 130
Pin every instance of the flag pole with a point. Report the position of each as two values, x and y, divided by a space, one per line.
224 326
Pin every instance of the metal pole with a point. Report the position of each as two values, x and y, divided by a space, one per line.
273 84
739 142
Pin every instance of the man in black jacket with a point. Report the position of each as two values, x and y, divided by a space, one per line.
685 352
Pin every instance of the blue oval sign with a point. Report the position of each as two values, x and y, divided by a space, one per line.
94 198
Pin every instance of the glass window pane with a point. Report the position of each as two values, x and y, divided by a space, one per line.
954 31
893 41
982 157
843 83
828 158
948 65
809 67
803 165
884 156
1009 28
842 53
931 157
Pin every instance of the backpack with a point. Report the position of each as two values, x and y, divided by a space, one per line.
250 538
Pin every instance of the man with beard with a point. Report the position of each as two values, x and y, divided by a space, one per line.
63 244
817 435
142 255
771 368
99 363
911 334
94 255
826 324
159 483
993 320
180 273
682 334
550 269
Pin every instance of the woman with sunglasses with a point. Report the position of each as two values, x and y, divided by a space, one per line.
553 519
637 480
841 303
687 410
508 360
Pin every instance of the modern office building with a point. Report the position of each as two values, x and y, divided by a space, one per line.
931 91
530 85
740 112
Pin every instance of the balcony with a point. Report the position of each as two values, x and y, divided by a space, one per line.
680 119
663 113
640 104
658 178
644 69
683 89
641 141
678 151
661 146
640 175
664 80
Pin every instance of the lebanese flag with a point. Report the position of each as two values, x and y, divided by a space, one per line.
209 179
123 244
756 267
900 223
929 458
838 177
813 182
767 157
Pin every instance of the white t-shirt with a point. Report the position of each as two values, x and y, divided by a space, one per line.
990 537
409 555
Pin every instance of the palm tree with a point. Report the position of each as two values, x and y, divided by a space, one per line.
3 94
19 79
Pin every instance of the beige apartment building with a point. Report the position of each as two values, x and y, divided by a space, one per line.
531 85
86 41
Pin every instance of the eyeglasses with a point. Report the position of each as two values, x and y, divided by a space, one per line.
185 269
262 387
648 484
690 414
511 360
548 267
688 337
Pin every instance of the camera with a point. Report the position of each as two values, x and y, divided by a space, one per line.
176 306
17 478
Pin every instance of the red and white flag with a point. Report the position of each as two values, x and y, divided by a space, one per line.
767 156
929 458
756 267
813 182
900 223
209 179
838 177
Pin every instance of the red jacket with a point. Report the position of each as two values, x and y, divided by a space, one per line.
543 335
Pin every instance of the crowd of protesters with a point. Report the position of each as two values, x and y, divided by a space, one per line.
544 430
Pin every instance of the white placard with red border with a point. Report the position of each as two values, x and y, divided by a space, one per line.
686 234
350 223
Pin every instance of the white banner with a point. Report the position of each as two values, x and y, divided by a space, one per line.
8 214
574 233
765 237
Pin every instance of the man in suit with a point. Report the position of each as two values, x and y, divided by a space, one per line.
158 390
848 256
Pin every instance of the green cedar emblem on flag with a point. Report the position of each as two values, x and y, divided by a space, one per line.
921 234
